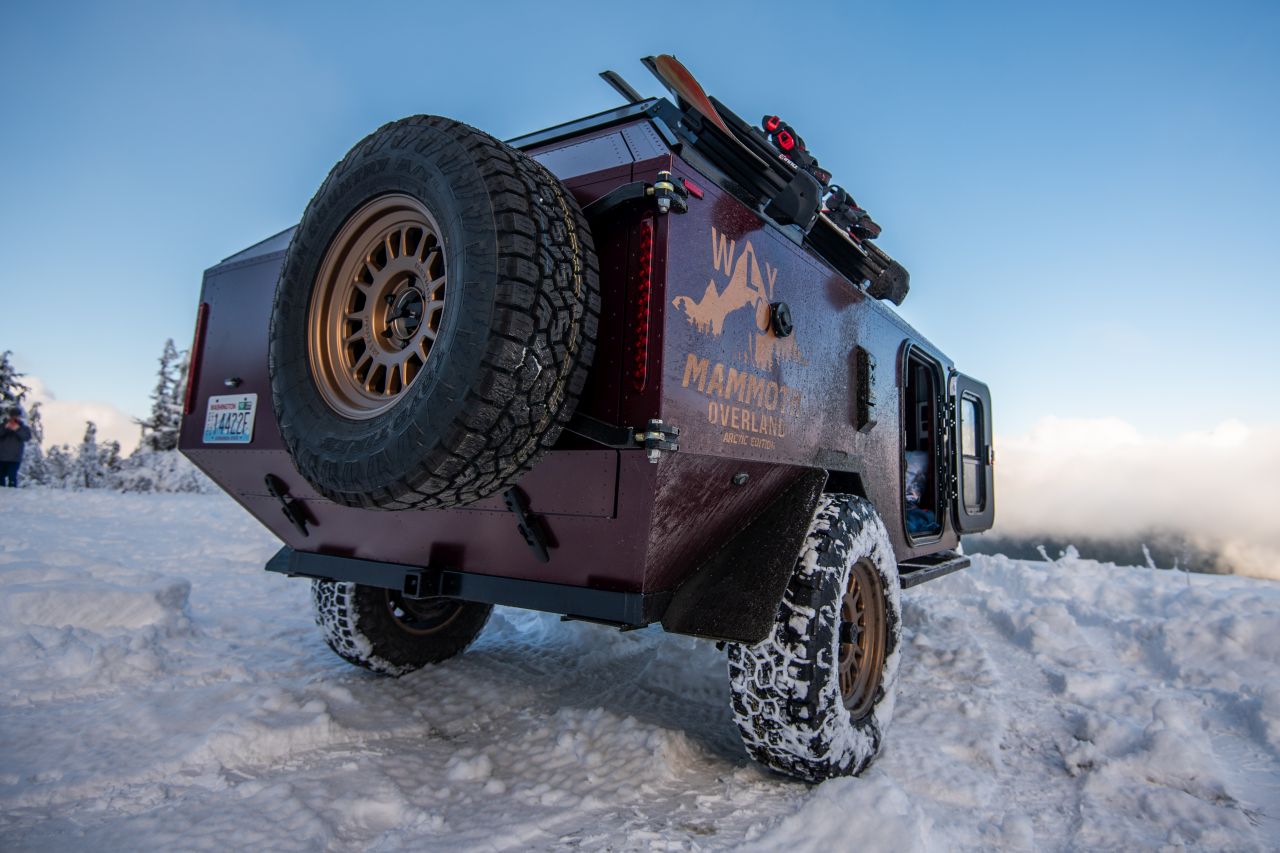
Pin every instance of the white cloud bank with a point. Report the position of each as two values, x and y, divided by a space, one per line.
1103 478
64 420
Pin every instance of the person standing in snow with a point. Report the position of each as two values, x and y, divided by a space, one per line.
13 439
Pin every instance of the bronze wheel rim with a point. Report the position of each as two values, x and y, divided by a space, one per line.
422 616
377 306
862 640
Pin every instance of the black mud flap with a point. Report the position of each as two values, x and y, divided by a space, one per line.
735 594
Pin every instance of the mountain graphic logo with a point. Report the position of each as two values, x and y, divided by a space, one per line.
749 290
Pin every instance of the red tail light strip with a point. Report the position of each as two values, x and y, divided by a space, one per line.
193 360
640 307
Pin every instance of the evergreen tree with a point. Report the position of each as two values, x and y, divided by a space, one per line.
87 472
12 389
178 391
35 469
110 464
36 421
58 465
109 461
160 428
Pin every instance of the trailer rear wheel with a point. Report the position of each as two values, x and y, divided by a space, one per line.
381 630
434 320
813 699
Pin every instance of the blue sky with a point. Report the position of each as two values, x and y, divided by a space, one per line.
1086 194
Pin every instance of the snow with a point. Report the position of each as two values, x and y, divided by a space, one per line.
158 690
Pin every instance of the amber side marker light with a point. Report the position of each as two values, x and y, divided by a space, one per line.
193 363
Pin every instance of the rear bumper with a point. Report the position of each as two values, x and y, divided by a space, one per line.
624 609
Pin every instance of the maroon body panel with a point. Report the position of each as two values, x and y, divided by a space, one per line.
738 390
747 401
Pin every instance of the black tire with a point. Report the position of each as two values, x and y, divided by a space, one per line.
516 332
787 699
379 630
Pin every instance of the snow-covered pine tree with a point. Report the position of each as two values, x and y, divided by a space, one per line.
178 394
35 468
87 472
160 428
13 391
109 461
35 420
58 464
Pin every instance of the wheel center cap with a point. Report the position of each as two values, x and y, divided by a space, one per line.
404 315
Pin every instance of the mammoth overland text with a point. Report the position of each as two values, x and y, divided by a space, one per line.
766 403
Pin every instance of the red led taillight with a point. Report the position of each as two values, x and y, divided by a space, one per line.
643 282
193 360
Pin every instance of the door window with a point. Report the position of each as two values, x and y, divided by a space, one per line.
975 499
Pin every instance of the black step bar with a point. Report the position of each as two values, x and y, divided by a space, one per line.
917 570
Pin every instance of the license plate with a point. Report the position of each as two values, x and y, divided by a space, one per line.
229 419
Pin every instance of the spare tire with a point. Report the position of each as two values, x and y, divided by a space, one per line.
434 320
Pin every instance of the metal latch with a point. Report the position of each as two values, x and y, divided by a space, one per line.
527 523
293 509
865 365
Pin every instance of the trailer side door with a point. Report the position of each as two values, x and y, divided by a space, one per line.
973 501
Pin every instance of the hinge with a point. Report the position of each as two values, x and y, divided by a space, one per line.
657 437
669 195
665 194
950 436
654 437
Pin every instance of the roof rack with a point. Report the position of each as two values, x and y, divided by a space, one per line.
751 162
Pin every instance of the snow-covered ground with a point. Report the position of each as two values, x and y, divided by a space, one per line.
159 691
